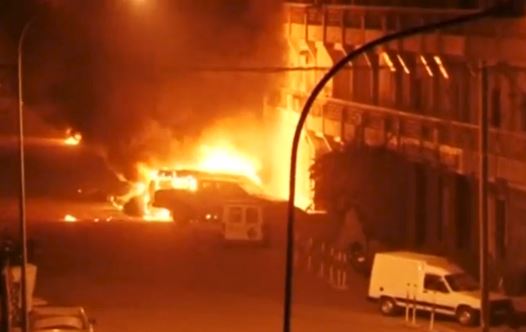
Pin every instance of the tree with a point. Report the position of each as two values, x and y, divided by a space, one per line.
372 181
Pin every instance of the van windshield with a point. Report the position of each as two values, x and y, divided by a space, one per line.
461 282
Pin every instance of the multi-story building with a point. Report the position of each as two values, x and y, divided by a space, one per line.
421 97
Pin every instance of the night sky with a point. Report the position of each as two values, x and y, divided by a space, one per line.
114 69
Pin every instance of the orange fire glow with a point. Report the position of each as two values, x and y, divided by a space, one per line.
284 127
70 218
72 139
218 155
157 214
225 159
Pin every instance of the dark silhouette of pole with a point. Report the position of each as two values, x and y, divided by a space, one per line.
483 200
473 16
22 183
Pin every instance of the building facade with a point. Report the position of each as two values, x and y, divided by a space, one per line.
421 97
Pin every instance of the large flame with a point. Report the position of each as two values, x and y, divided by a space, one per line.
225 159
72 138
220 158
218 155
278 185
70 218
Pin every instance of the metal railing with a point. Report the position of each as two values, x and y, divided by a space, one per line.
423 127
383 16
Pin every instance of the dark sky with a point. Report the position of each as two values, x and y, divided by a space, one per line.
111 68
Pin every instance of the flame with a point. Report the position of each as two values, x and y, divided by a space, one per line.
284 127
225 159
72 139
157 214
221 158
70 218
185 183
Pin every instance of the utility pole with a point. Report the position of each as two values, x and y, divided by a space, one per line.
22 183
483 199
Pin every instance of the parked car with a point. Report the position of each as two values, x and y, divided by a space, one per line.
407 278
60 319
199 196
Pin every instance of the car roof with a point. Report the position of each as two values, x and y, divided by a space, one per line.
54 323
57 310
434 264
201 175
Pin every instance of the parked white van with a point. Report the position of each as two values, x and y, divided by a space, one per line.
398 278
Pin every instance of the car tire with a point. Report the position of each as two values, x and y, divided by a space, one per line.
388 306
466 316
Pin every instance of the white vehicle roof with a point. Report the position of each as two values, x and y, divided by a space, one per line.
56 319
59 323
57 311
434 264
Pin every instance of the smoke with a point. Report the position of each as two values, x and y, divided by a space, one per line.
124 74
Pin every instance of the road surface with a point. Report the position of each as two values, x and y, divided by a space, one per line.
141 276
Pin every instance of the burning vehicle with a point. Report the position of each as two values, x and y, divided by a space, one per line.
200 196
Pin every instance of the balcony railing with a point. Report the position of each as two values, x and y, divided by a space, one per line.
464 4
424 128
382 16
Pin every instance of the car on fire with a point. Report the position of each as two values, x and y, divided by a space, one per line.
165 179
200 196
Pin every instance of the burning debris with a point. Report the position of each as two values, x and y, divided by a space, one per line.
70 218
72 138
182 175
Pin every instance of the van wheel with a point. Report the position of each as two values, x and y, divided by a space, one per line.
388 306
466 315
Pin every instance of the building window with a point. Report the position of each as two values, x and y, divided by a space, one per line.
420 206
342 83
417 94
464 212
362 80
462 91
500 227
495 115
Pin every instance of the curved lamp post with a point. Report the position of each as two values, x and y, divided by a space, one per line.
22 182
502 10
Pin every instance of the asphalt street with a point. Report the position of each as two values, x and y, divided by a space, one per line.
144 276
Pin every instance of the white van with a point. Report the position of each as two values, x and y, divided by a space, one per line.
243 222
429 281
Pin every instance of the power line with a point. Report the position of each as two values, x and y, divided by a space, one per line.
282 69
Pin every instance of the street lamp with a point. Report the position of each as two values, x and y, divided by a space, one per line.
503 9
22 182
22 177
